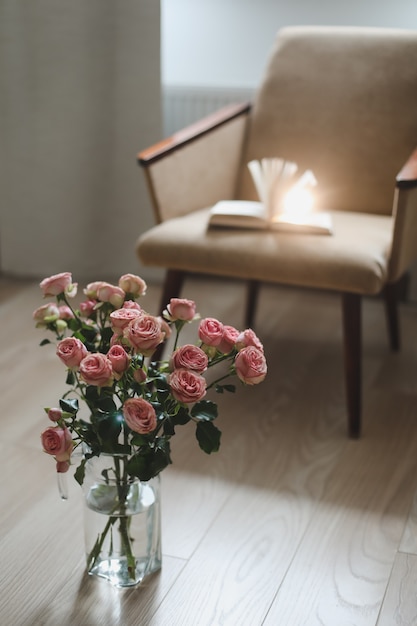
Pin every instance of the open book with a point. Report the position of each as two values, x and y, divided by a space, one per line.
285 202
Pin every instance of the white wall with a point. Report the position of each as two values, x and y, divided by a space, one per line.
225 43
80 96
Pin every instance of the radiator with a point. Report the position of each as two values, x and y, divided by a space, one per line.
184 105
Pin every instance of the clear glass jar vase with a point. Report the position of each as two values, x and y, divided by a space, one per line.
122 522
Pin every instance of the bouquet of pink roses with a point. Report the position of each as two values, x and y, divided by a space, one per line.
134 403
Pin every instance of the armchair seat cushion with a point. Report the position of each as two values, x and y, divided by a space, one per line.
353 259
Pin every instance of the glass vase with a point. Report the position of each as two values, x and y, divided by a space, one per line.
122 522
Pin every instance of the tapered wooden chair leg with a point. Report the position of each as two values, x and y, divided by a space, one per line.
174 280
352 337
251 302
391 310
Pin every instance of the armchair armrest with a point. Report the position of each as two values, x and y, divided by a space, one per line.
404 244
407 177
191 133
198 165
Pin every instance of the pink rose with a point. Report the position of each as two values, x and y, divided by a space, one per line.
139 375
121 317
230 335
250 365
131 304
211 331
58 442
57 284
62 467
181 309
87 307
139 415
105 292
144 334
96 369
110 293
54 414
65 312
46 314
248 338
71 351
187 386
132 284
92 289
189 357
119 359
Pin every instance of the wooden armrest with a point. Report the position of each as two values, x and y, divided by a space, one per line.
191 133
407 178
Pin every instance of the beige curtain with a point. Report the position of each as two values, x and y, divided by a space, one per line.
79 96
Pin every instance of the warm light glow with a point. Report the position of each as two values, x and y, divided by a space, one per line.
298 203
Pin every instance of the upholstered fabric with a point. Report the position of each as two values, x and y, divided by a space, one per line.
207 169
341 101
354 258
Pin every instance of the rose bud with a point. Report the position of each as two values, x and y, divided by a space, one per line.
57 284
119 359
133 285
181 309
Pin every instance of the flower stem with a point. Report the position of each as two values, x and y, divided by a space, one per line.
122 518
95 552
218 380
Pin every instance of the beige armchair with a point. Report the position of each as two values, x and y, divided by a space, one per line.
341 102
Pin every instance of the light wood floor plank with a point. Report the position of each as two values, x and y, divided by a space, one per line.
290 523
400 603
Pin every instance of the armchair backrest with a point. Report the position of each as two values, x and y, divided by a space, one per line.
341 101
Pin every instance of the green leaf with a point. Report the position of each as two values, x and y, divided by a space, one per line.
108 427
161 383
105 474
85 334
162 395
150 462
44 342
139 440
208 436
221 388
106 404
101 398
169 427
69 406
181 417
115 448
204 410
89 435
74 324
79 473
70 378
106 335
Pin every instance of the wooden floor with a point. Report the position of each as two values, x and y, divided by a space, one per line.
289 524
